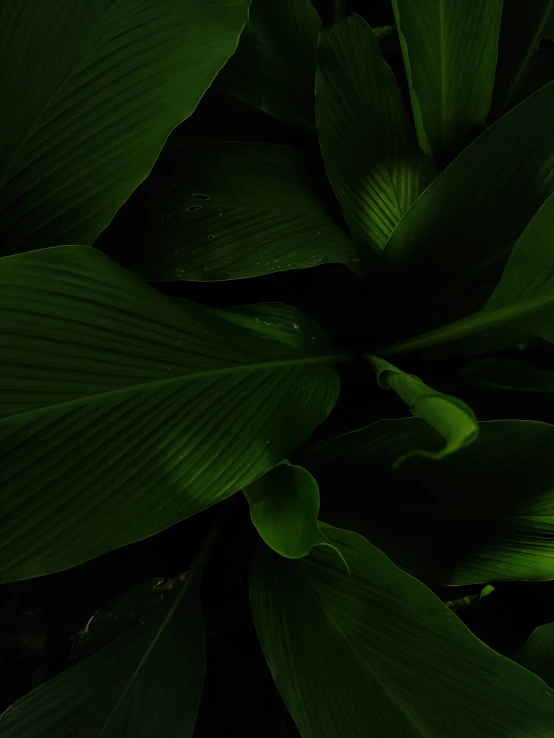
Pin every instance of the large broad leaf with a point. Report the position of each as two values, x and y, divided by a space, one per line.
537 654
450 51
377 654
124 411
147 682
448 252
368 145
229 211
499 373
284 505
485 513
273 68
524 24
448 415
520 308
92 91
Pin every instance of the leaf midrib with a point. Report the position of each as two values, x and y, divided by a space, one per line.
221 371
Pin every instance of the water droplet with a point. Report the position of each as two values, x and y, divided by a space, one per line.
313 338
290 256
220 213
191 208
202 197
230 274
210 238
315 257
296 326
333 244
165 216
319 233
206 269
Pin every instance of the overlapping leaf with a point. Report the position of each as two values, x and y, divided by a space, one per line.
92 91
377 654
273 68
483 514
284 505
124 411
146 682
520 308
229 211
368 145
537 654
450 51
448 252
448 415
499 373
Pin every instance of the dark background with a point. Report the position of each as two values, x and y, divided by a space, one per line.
39 617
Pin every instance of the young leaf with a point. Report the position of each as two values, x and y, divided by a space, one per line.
230 211
520 308
273 68
483 514
537 654
448 415
368 146
524 23
450 51
379 653
124 411
448 252
147 682
284 505
92 91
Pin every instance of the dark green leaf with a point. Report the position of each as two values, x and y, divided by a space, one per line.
450 51
147 682
520 308
92 91
124 411
537 654
273 68
483 514
368 145
448 252
498 373
229 211
284 505
377 654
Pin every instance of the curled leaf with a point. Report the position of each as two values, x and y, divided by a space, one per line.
284 505
448 415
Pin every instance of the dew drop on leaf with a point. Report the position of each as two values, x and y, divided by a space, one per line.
210 238
165 216
199 195
191 208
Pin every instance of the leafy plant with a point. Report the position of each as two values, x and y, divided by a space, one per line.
128 407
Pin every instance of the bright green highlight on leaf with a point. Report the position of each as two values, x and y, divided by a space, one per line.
284 505
448 415
368 145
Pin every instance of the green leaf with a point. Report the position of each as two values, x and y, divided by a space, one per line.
537 654
377 654
520 308
524 24
284 505
147 682
273 68
448 252
229 211
450 52
93 90
448 415
483 514
368 146
124 411
498 373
